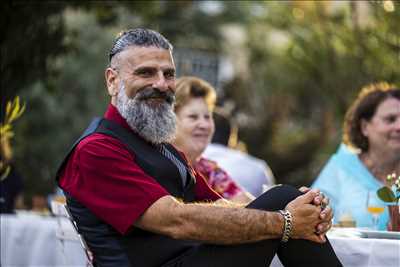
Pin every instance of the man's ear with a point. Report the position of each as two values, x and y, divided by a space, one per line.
364 127
111 77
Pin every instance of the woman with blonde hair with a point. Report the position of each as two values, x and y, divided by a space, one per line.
195 102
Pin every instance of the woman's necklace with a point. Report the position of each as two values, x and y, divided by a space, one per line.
379 168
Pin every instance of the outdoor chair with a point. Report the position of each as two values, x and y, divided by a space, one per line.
61 211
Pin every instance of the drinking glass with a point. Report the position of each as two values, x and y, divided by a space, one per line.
375 207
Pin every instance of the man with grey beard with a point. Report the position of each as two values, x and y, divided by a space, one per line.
137 201
154 123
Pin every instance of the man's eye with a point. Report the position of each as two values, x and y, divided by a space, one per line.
144 73
169 75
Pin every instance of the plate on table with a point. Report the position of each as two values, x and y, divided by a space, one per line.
344 232
379 234
362 233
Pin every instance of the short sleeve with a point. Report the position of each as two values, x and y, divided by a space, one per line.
103 176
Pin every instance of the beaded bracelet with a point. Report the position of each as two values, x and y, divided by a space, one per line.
287 226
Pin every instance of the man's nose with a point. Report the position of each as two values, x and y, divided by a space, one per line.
161 82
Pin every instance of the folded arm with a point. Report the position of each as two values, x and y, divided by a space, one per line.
224 224
210 222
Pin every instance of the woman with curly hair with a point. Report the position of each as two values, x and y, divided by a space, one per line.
370 151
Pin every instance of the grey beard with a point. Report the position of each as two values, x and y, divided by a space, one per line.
156 124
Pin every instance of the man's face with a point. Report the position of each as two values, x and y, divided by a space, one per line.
142 84
140 68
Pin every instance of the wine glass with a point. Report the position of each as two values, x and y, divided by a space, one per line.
375 207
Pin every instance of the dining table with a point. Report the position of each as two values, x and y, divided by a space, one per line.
34 240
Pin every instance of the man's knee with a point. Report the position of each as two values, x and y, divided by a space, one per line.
275 198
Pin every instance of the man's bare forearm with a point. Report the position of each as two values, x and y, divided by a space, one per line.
223 224
219 223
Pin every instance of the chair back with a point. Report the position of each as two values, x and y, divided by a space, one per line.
61 211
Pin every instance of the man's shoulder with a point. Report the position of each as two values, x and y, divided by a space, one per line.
96 138
100 142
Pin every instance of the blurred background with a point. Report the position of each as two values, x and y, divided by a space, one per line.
285 71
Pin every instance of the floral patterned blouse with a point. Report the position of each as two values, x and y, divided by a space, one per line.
217 178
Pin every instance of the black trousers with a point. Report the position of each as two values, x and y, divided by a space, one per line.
296 252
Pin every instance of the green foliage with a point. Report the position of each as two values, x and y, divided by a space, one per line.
61 104
23 26
13 111
390 192
308 61
304 63
59 109
386 194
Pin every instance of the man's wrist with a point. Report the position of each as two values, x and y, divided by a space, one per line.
287 225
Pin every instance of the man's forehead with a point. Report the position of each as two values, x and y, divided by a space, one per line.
138 54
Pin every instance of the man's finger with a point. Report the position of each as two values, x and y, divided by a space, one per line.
324 200
322 238
326 214
322 228
317 200
308 197
316 238
304 189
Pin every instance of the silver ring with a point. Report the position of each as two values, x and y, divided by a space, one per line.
323 204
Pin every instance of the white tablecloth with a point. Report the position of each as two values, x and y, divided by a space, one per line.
38 241
367 252
363 252
32 240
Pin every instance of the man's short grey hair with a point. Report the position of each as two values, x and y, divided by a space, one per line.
139 37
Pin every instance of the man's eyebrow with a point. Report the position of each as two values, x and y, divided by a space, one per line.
169 70
153 69
144 68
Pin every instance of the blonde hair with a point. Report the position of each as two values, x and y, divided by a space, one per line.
188 87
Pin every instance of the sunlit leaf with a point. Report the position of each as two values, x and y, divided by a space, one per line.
15 109
8 109
386 194
5 128
7 134
4 175
21 111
